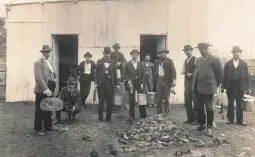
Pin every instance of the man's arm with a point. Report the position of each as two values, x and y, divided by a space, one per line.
247 77
173 70
224 82
218 71
39 78
126 76
122 58
97 74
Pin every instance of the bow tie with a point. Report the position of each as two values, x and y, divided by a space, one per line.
88 62
134 61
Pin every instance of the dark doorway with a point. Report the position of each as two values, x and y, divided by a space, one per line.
65 49
149 44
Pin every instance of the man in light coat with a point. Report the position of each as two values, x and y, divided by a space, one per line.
45 79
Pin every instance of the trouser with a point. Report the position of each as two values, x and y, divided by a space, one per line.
205 101
142 109
43 117
85 84
190 109
105 93
163 92
235 93
58 113
148 84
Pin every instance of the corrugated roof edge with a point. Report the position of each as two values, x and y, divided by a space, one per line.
13 3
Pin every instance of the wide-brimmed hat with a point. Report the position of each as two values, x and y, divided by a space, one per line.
45 48
134 51
236 49
203 45
107 50
116 45
163 50
187 47
71 80
88 54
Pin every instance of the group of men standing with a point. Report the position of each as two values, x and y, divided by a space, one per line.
203 76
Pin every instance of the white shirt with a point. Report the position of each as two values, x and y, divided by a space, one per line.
160 70
106 65
187 61
48 64
147 64
87 68
236 63
134 64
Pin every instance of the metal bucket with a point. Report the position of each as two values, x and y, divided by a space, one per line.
141 99
151 97
248 105
118 99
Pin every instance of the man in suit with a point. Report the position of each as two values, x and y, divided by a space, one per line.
188 70
71 98
164 79
134 76
86 72
148 68
207 77
106 81
236 82
45 83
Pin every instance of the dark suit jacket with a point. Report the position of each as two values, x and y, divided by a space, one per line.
118 57
208 75
130 73
169 71
80 69
100 72
63 95
228 70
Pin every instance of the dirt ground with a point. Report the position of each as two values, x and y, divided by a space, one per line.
17 138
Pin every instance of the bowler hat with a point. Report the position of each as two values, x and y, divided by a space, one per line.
71 80
116 45
203 45
88 54
45 48
107 50
187 47
163 50
134 51
236 49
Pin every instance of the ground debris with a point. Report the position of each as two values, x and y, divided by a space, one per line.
220 140
86 138
154 132
94 153
200 144
111 150
182 152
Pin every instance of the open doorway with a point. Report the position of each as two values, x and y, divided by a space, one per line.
150 44
65 57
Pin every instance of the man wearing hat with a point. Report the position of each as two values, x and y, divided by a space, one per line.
188 70
134 76
236 82
119 58
71 98
45 83
164 79
106 81
86 72
207 77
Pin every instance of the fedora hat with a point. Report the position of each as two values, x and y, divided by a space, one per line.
134 51
163 50
71 80
236 49
116 45
45 48
88 54
107 50
203 45
187 47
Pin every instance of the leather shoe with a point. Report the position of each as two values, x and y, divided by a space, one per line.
40 133
241 123
201 128
52 129
230 122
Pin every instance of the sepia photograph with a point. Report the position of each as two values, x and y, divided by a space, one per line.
127 78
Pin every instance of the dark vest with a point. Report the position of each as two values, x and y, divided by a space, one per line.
236 74
190 66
